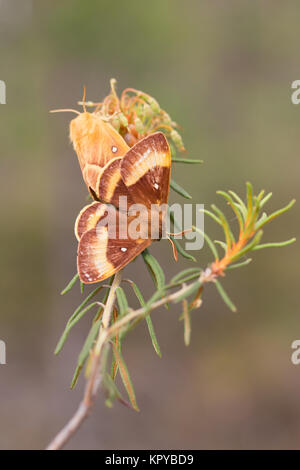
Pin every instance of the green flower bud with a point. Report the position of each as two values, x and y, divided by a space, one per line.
167 119
152 102
123 120
147 111
154 105
139 125
115 122
176 137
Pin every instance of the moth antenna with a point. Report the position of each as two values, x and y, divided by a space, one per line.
64 111
98 107
180 233
175 254
89 103
83 98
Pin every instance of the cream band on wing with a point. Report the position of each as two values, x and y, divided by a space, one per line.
108 179
88 218
145 163
92 261
150 152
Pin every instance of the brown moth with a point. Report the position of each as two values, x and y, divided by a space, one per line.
143 177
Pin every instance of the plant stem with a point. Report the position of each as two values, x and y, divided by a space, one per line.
206 276
94 380
105 333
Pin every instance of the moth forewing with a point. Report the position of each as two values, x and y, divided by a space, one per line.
95 142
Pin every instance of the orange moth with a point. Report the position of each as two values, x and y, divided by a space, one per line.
96 143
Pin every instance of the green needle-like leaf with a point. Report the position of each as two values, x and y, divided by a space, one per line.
75 376
110 386
178 189
265 200
276 214
181 251
249 198
239 265
252 219
235 207
228 234
274 244
186 160
79 312
155 269
89 342
183 280
125 377
211 215
153 335
241 204
173 219
113 392
71 323
156 296
260 196
86 350
225 297
70 285
148 319
261 219
185 273
122 301
114 365
208 241
222 244
187 322
83 304
189 291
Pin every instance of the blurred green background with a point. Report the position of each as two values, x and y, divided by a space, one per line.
223 70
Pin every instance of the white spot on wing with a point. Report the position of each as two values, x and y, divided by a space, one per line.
123 249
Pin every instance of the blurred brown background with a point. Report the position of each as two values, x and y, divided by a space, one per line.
223 70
